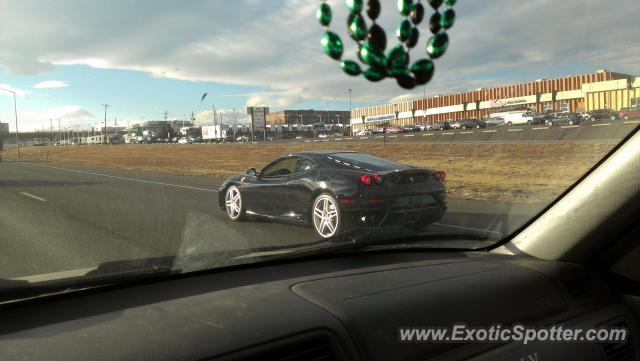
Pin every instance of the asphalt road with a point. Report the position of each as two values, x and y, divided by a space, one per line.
62 217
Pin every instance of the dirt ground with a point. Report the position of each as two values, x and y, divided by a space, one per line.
529 173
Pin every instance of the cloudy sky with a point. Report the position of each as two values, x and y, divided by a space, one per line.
65 58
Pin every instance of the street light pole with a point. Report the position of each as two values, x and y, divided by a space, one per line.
15 111
104 135
350 109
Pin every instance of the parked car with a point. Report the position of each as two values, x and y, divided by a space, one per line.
586 116
322 135
539 118
439 126
468 124
600 114
394 130
515 117
628 113
564 118
495 121
364 132
412 128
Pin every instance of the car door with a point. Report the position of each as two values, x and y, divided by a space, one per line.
268 195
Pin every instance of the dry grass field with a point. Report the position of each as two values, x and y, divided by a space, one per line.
513 172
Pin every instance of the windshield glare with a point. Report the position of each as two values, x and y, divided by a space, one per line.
130 143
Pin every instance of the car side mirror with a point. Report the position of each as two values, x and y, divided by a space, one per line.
252 172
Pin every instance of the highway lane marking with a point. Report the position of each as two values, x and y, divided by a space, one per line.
124 178
489 131
466 132
600 125
448 133
430 134
325 140
379 136
568 126
409 135
338 139
307 141
514 130
392 136
33 196
541 128
632 122
348 138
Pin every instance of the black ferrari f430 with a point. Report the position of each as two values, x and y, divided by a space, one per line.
337 191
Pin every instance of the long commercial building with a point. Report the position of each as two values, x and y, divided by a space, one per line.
600 90
307 117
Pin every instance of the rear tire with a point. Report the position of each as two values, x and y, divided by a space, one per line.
325 216
509 123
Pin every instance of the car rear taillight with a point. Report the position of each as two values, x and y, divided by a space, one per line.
377 178
440 175
365 180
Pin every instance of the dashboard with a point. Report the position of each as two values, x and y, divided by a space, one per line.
347 307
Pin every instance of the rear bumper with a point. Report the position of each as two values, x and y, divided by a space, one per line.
383 215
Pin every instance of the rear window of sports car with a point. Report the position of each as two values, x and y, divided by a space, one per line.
366 161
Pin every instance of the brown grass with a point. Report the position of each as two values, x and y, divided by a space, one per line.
504 172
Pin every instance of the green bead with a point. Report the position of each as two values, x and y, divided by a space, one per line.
332 45
373 74
358 28
435 4
403 32
423 70
417 14
448 18
397 60
350 67
413 39
373 9
405 7
437 45
355 6
324 14
450 2
372 56
377 37
434 23
406 80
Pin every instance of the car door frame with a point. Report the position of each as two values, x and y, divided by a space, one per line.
270 195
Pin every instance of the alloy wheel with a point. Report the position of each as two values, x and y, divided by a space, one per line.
233 203
326 217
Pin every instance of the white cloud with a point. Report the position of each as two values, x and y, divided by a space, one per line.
69 115
51 84
19 92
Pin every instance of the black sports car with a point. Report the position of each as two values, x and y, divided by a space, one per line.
336 192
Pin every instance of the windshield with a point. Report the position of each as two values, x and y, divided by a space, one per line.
171 136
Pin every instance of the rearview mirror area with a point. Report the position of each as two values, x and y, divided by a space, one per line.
252 172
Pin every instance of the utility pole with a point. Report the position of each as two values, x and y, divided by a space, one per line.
59 130
104 135
350 116
51 126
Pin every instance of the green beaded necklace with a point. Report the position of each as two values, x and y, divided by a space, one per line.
372 42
